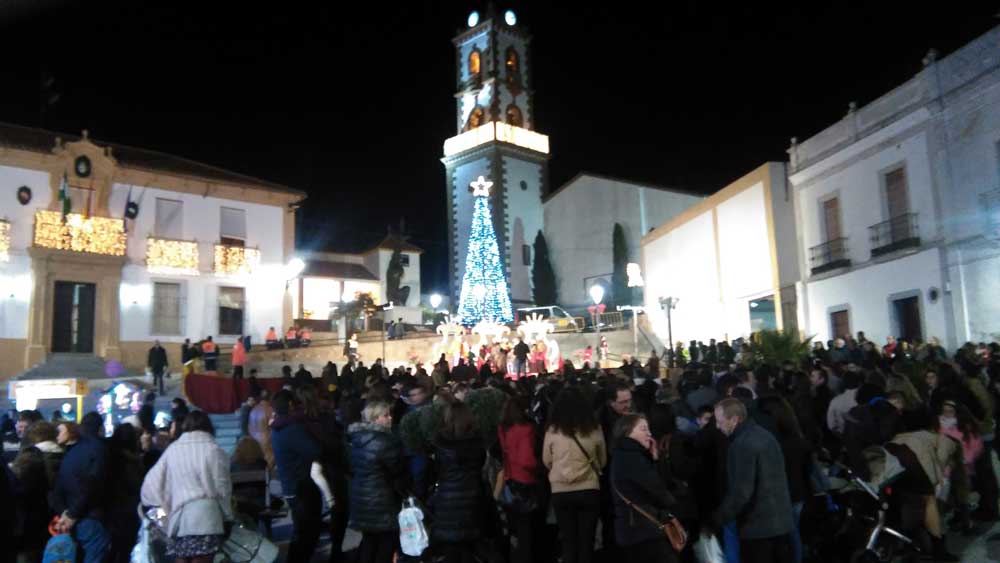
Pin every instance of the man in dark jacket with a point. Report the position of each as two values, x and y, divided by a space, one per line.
78 497
757 496
521 351
157 362
295 450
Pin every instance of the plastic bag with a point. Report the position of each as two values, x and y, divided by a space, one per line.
708 550
61 548
413 538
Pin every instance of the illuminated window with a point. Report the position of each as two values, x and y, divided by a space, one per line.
231 305
167 308
512 62
474 64
476 118
514 116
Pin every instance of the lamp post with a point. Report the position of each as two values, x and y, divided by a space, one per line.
636 311
597 295
669 303
385 307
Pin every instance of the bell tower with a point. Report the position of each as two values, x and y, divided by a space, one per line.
495 138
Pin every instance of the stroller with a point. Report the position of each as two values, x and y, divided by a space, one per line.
872 516
242 545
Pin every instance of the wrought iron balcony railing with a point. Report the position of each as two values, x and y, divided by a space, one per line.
830 255
895 234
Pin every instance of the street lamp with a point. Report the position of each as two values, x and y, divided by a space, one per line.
435 301
386 307
669 303
597 295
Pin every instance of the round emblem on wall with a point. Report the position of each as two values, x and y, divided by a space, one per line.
24 195
933 294
82 166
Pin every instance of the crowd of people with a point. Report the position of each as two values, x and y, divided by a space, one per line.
578 465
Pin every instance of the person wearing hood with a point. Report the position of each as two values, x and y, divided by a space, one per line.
36 468
379 475
295 450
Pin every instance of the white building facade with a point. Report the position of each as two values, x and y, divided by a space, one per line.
729 263
205 253
898 207
579 220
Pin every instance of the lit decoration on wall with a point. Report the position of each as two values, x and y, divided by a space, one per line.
535 327
634 273
164 256
4 241
497 131
452 343
97 235
233 260
490 332
484 286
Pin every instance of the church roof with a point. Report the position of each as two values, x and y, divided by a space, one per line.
341 270
41 140
584 173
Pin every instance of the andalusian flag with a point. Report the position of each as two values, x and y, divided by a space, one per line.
64 197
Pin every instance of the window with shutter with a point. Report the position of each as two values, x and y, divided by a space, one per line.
167 308
831 218
840 324
169 219
895 193
233 224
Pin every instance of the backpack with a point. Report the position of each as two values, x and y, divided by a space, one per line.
60 549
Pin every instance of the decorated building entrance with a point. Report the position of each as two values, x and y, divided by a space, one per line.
73 317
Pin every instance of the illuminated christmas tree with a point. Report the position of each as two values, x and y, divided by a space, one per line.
484 287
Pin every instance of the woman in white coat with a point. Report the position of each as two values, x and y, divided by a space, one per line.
191 483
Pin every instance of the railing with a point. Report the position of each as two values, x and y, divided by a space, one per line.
76 232
231 260
830 255
895 234
169 256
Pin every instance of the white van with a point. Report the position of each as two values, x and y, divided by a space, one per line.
563 321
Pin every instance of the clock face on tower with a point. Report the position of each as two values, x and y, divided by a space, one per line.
82 166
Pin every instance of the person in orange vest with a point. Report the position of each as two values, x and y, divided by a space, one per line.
291 338
306 336
211 354
239 359
271 340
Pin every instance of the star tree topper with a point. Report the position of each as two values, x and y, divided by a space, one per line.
481 187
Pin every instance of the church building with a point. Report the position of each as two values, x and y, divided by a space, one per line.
496 139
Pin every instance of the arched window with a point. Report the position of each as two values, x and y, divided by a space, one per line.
476 118
512 62
514 116
474 63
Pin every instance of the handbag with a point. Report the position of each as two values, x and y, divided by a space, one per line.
672 528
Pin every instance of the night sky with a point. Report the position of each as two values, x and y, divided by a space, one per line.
351 102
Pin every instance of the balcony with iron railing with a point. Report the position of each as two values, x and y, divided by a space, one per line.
898 233
830 255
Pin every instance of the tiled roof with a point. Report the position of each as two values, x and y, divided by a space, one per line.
340 270
40 140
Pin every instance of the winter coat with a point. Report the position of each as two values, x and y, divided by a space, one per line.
570 468
634 476
379 471
295 450
193 468
458 502
157 359
757 496
82 476
798 464
519 460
